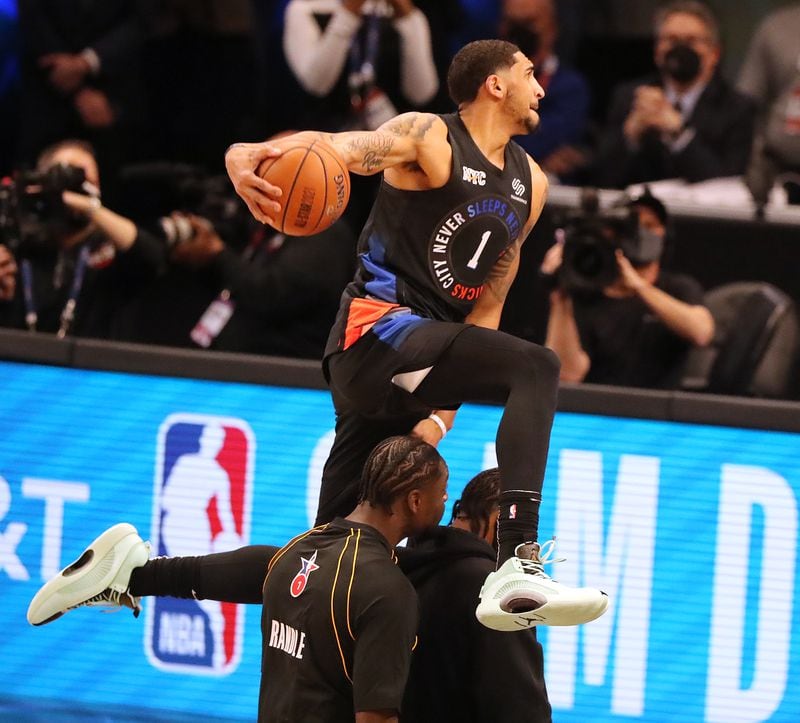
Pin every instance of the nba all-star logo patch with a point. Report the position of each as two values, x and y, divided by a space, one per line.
301 578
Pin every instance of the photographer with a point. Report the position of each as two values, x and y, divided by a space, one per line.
278 295
632 330
78 264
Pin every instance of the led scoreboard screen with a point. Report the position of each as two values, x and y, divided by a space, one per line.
691 529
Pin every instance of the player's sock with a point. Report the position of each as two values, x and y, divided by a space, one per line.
233 576
518 522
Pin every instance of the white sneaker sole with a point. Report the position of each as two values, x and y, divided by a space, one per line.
118 549
586 608
513 599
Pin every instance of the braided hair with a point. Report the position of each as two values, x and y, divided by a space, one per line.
395 467
479 499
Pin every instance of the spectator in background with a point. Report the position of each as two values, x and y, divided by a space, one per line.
9 84
532 25
462 671
203 87
613 42
79 263
80 78
366 59
637 330
360 62
685 122
477 20
278 295
770 76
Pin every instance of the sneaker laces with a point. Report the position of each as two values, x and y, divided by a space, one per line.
545 556
112 601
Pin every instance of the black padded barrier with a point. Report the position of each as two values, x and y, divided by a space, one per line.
19 346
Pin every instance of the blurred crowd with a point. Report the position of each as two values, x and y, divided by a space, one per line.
117 222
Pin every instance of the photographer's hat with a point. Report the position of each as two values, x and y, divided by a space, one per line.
648 200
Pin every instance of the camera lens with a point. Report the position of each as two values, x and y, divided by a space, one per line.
589 262
176 229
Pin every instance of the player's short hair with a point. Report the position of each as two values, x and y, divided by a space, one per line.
396 466
479 499
688 7
474 63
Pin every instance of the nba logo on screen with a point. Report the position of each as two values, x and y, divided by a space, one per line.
202 501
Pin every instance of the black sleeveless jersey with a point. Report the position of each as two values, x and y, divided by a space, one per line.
431 251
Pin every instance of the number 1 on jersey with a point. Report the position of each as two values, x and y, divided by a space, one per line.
473 262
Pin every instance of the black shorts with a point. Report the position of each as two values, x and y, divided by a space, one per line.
360 377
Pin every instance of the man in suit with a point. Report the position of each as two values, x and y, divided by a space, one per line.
532 25
79 70
685 122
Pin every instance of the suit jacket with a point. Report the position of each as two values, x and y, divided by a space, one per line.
723 123
109 27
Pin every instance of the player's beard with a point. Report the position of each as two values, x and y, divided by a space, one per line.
526 120
531 123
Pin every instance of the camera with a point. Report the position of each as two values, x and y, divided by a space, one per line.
32 213
168 187
592 236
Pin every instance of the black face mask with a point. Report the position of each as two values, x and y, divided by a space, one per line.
682 63
527 40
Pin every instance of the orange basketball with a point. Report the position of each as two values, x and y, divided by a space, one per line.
315 184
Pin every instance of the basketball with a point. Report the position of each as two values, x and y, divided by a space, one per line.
315 184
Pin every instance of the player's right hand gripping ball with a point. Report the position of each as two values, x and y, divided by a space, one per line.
315 184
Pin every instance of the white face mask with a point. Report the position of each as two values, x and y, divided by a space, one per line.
649 247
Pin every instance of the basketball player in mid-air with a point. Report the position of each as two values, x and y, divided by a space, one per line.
417 329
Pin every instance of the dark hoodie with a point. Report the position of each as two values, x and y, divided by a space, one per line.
462 671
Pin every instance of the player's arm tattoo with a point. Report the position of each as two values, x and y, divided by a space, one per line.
502 274
366 149
375 147
371 149
413 125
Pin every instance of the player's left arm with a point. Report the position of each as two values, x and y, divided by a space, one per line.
489 307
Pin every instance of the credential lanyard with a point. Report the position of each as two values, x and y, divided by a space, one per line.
68 312
31 317
362 64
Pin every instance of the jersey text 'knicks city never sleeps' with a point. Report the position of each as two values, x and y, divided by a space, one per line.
426 254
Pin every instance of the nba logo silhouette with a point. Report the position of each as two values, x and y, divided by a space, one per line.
202 501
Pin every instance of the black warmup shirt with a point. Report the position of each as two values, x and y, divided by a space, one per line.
461 671
426 254
629 345
338 625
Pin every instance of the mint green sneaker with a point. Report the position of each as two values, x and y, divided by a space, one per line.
100 576
520 594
